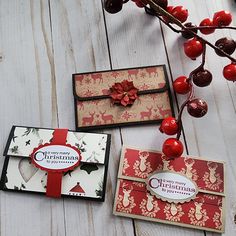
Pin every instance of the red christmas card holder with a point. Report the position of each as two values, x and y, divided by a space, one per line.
188 192
121 97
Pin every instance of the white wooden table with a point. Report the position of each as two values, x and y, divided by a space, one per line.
43 42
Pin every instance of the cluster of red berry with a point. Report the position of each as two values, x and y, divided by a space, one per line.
194 47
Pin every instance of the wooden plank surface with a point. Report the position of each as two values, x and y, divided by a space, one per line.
43 42
27 98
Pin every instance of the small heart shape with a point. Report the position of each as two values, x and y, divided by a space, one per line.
27 170
155 110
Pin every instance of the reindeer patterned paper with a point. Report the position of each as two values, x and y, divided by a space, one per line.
94 108
87 180
205 211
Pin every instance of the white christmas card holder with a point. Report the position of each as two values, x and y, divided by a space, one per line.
81 162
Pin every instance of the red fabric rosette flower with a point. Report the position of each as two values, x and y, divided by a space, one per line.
123 93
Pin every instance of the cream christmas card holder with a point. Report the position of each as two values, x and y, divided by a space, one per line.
94 107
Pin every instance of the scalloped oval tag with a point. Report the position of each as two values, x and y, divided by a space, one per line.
58 158
171 187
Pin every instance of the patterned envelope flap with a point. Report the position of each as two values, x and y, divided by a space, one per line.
97 84
23 140
137 165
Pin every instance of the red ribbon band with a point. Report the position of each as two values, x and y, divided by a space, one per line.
54 179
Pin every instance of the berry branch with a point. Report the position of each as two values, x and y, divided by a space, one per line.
194 47
160 12
213 27
191 92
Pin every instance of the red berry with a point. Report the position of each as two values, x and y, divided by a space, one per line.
169 126
197 108
229 72
180 13
227 45
181 85
139 4
186 34
202 78
172 148
162 3
207 22
193 48
169 10
113 6
222 18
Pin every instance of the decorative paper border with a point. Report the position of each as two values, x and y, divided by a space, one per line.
145 122
5 166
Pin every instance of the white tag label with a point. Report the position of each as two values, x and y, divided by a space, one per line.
56 157
171 187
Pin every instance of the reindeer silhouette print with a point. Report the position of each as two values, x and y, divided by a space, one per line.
190 172
164 113
146 114
149 204
125 202
106 118
197 215
198 212
211 179
165 164
89 119
189 165
142 167
173 212
143 157
149 207
126 196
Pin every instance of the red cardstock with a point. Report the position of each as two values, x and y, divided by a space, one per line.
133 199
